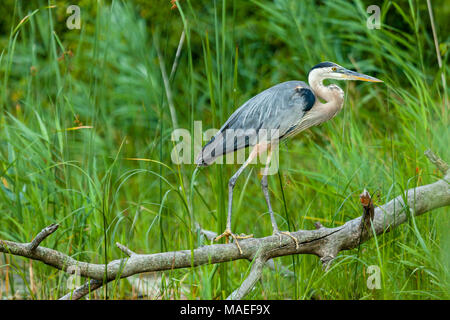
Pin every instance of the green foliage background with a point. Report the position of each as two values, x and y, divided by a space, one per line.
86 138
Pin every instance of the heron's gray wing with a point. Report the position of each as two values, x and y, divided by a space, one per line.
273 113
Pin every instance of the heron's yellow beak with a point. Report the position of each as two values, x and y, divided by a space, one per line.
352 75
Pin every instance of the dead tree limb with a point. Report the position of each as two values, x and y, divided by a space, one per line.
42 235
251 280
323 242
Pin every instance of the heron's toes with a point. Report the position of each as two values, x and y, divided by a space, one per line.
287 233
227 233
243 236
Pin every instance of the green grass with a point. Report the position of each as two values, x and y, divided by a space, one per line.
86 139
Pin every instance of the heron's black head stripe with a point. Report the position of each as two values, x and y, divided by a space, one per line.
325 64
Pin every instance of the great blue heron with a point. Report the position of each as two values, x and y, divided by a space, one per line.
287 109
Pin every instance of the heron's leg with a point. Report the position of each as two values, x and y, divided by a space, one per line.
265 188
231 183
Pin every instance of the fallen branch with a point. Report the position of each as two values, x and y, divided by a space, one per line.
323 242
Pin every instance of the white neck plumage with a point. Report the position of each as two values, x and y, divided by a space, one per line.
332 94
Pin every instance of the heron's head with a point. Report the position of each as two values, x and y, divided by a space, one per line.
330 70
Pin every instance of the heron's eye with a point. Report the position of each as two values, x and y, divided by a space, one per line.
334 69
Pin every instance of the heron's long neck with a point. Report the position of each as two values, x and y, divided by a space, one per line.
332 94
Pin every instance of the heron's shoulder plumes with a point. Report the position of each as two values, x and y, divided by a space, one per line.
309 98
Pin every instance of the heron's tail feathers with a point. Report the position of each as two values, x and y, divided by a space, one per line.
203 161
211 151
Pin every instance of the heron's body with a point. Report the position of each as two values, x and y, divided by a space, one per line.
279 112
283 114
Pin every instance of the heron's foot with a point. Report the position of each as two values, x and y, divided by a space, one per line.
287 233
227 233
